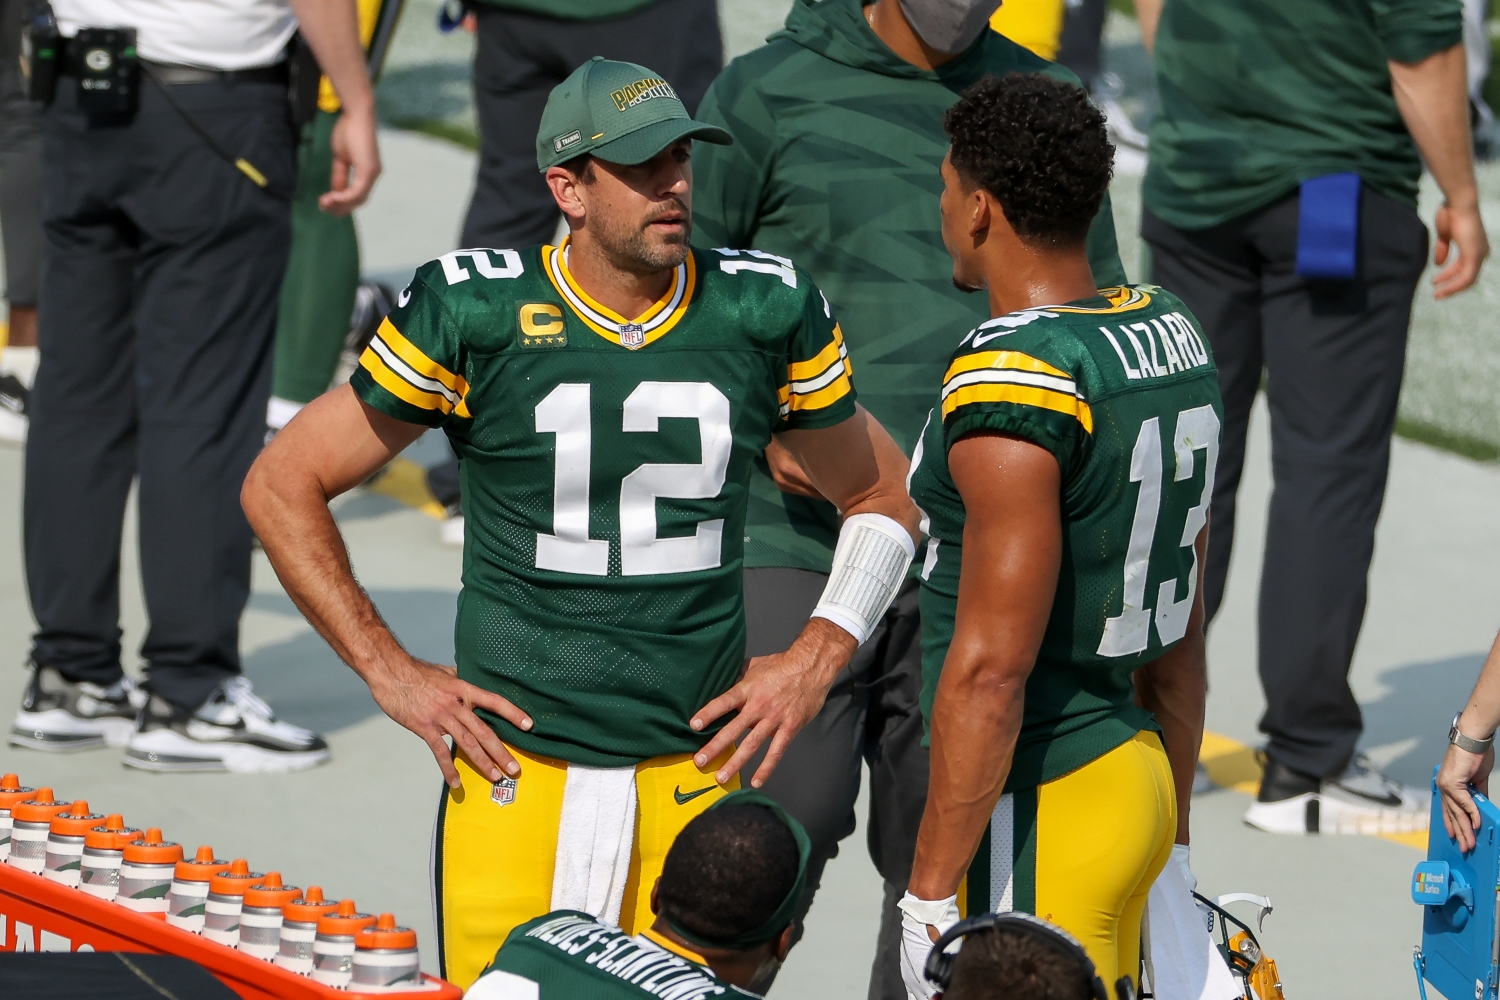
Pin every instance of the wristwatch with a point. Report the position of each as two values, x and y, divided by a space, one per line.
1463 742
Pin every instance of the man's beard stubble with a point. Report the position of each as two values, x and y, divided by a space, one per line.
634 251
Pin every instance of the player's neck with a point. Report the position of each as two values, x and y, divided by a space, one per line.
890 25
627 292
737 968
1026 277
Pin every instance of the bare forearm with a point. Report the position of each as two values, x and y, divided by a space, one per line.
303 543
1481 714
1433 99
975 724
331 28
1173 688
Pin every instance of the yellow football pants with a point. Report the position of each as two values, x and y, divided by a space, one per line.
493 863
1082 852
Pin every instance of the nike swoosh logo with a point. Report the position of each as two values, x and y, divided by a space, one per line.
985 338
683 800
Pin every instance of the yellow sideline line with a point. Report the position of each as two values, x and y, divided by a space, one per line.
1232 765
406 482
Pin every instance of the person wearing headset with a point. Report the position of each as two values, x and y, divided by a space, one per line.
1015 956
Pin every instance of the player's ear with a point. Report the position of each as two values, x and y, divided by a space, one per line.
566 188
784 942
982 205
655 896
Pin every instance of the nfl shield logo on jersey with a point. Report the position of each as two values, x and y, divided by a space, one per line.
632 335
504 792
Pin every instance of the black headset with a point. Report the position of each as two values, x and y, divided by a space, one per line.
939 967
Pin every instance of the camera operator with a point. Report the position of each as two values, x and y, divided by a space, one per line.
167 170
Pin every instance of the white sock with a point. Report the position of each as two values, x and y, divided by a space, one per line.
20 362
279 412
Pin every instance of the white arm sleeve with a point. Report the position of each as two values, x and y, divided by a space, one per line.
869 564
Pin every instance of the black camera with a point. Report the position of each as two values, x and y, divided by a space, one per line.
108 70
41 51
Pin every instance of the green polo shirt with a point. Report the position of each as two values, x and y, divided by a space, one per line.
1259 95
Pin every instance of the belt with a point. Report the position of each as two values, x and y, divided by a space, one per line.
171 75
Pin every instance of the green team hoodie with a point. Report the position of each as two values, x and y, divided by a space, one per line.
837 144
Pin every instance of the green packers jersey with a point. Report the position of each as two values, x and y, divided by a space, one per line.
1122 390
567 955
604 466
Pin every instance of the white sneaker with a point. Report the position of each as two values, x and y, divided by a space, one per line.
452 531
60 715
233 731
1361 800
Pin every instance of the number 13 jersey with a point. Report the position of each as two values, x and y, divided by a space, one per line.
1122 390
605 467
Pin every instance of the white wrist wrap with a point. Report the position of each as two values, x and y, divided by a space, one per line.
939 913
869 564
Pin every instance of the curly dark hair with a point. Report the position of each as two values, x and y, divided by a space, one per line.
728 871
1039 147
1005 964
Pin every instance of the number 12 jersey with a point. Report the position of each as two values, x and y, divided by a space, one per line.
1123 392
605 467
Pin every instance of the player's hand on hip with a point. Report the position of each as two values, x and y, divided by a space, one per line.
1459 770
431 701
356 161
776 696
1464 230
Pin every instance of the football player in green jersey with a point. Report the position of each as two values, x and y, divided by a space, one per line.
1065 474
724 908
607 397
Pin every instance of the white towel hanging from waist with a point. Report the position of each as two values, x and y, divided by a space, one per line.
1182 961
594 840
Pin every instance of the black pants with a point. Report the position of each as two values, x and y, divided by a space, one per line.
158 308
522 56
1332 353
20 167
871 716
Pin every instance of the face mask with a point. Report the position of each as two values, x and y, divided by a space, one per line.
950 26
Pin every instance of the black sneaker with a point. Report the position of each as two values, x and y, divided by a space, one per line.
14 396
60 715
14 401
1359 800
232 731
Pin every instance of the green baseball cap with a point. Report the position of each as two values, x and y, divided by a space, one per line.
618 111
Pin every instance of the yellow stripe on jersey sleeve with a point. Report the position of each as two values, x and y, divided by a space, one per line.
419 362
1014 360
398 386
999 392
399 367
824 380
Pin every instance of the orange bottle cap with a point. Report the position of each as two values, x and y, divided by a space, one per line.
77 821
153 850
270 892
112 836
12 791
385 934
203 867
236 880
309 908
345 920
39 808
